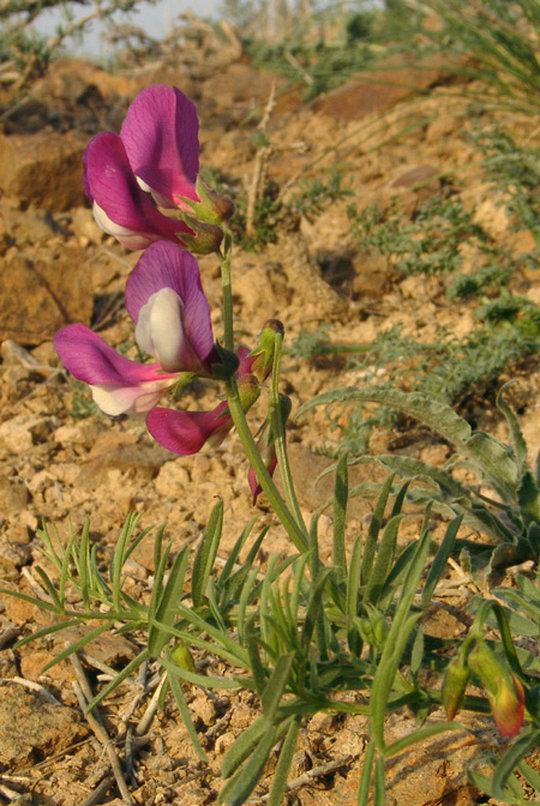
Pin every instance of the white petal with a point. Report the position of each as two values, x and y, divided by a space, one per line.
127 237
114 399
160 331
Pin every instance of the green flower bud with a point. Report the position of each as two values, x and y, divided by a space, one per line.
248 390
454 684
182 656
212 207
503 690
263 354
206 238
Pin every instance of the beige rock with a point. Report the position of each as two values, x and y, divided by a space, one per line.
172 477
40 295
21 432
13 494
43 169
32 728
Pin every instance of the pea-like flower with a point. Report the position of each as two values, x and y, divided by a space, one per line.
165 299
143 182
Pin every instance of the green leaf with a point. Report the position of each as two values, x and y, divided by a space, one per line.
439 561
396 640
520 446
257 669
134 664
281 772
384 560
353 587
529 497
49 630
239 787
314 610
82 563
172 679
65 567
276 684
245 595
373 531
48 586
118 557
206 554
519 748
167 602
76 645
420 735
485 451
243 746
341 493
530 775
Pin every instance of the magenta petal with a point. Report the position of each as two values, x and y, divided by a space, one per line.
245 360
164 265
185 432
118 384
90 359
160 134
109 181
254 485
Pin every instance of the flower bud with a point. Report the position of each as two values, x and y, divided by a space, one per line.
373 628
503 689
182 656
262 356
248 390
454 684
212 207
206 238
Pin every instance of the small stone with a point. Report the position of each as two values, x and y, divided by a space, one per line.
23 431
32 728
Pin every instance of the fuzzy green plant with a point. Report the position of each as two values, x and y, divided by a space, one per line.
504 502
495 43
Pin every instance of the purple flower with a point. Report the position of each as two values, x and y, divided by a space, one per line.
164 297
186 432
152 163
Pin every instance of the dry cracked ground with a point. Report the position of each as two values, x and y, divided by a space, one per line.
57 267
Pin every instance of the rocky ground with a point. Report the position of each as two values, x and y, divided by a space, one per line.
57 267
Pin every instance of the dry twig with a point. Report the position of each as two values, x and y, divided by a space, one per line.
84 696
261 159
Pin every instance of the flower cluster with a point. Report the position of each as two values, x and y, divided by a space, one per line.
146 192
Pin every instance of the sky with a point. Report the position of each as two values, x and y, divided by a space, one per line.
156 20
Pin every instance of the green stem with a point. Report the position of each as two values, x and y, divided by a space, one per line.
293 525
280 441
228 328
295 530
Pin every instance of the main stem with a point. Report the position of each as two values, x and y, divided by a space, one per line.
225 265
296 531
280 441
293 525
